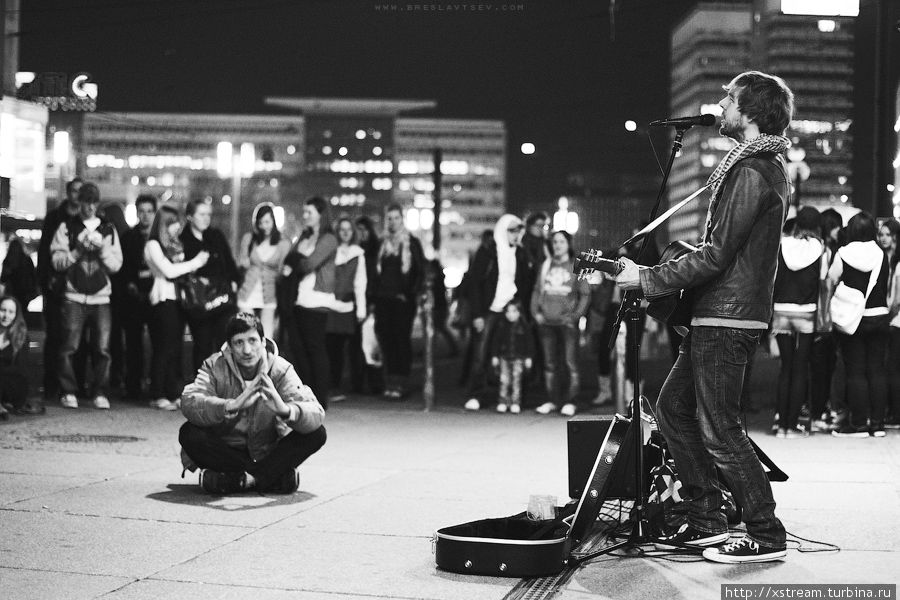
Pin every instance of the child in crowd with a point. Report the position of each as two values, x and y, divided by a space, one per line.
13 359
512 350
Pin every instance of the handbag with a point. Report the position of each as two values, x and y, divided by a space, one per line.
203 296
848 305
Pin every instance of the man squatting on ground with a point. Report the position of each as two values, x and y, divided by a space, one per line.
250 420
731 277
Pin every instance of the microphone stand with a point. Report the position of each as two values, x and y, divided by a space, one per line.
630 308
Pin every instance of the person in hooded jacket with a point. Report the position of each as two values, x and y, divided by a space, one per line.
261 256
800 269
250 420
499 273
865 350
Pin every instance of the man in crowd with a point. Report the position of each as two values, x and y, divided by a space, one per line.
52 286
86 249
731 277
250 420
138 280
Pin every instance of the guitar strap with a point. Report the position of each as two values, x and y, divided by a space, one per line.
664 217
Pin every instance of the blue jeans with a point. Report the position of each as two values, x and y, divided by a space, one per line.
699 415
560 344
75 318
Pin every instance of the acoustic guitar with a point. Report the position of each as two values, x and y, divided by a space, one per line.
672 309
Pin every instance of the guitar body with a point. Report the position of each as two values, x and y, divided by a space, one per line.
673 309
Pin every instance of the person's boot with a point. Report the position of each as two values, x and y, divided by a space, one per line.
604 390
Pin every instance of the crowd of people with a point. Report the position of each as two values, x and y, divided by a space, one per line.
517 312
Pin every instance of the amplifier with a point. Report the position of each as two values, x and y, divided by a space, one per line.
585 436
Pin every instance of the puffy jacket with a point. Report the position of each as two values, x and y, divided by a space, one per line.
732 274
87 272
219 380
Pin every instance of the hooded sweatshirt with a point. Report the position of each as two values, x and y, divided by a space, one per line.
506 263
853 264
257 428
800 267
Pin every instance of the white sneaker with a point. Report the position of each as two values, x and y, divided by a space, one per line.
163 404
501 407
69 401
515 409
472 404
101 402
546 408
568 410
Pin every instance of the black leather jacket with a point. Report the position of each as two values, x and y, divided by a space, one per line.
732 274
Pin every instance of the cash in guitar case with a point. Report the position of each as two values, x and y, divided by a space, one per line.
517 546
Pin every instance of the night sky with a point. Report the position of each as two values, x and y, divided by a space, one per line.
552 71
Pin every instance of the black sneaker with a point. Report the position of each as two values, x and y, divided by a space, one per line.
219 483
287 483
744 550
691 537
848 431
877 430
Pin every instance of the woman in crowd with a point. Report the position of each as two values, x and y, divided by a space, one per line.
800 269
892 419
865 350
262 255
342 331
18 278
559 301
498 274
164 255
823 354
887 239
208 328
367 238
400 280
13 359
311 264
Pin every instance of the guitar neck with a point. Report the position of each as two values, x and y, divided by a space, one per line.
588 262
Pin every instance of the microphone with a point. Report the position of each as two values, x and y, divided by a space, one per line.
701 120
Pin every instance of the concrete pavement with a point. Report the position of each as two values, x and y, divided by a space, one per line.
92 506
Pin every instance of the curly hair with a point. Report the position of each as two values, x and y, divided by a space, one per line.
765 99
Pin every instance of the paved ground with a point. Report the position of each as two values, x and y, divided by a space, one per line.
84 516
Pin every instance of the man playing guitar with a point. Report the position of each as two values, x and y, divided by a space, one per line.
731 276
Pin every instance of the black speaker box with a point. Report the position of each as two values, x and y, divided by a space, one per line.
585 436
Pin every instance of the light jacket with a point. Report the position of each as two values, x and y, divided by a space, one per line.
853 264
732 274
67 256
219 380
259 270
350 281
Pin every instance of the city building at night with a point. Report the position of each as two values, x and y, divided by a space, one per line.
355 153
813 54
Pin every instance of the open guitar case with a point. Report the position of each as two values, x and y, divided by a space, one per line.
517 546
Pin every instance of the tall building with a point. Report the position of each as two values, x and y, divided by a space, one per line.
355 153
814 55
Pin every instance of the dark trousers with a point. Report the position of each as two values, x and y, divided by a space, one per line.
479 376
867 383
13 385
794 349
54 334
894 371
311 360
337 344
209 452
167 340
699 415
560 343
393 327
118 313
208 333
133 321
822 360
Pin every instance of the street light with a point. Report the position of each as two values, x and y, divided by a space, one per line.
527 148
237 166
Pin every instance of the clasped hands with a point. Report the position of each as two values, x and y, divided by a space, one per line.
261 389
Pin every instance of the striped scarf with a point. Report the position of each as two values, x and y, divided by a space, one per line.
765 143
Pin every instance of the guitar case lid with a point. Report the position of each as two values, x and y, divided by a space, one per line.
516 546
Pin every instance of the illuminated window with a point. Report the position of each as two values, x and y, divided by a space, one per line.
326 150
151 180
376 150
135 180
360 134
827 25
342 150
291 149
